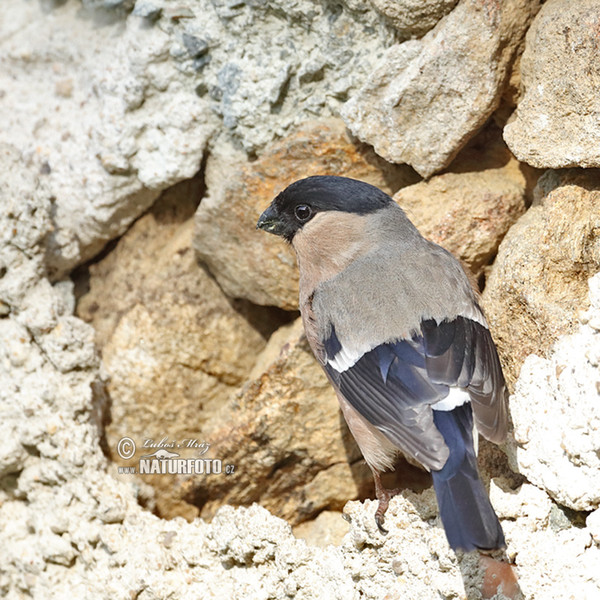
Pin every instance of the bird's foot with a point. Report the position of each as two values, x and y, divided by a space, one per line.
383 496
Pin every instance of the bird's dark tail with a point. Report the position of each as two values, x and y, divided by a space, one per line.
467 514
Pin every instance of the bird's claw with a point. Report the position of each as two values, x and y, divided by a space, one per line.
379 521
384 496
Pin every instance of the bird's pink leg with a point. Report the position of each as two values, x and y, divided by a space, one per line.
384 496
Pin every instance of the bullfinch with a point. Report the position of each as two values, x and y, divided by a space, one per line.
395 323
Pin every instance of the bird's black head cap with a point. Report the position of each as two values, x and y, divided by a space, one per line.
303 199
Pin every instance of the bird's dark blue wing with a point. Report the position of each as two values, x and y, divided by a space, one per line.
395 385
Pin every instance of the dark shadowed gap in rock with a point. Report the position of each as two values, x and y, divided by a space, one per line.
81 274
493 463
105 13
101 415
395 176
485 273
563 517
164 210
277 105
265 319
486 150
49 5
197 496
9 484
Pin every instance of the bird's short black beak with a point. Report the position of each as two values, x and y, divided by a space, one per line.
269 221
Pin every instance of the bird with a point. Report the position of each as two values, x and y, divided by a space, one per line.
395 323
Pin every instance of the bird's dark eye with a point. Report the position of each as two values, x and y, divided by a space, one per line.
303 212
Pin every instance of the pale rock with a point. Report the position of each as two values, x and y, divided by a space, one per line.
538 282
426 98
593 524
105 149
328 529
526 501
48 362
41 310
57 549
25 223
556 121
70 345
272 65
556 415
541 555
248 263
413 17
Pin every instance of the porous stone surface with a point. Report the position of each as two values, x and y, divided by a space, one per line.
264 67
556 121
453 77
538 283
413 17
104 133
245 262
112 106
541 538
556 414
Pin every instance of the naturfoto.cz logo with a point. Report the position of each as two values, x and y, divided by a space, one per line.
165 461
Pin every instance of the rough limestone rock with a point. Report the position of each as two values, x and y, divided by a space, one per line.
541 538
413 17
328 529
102 113
247 263
110 107
25 224
264 67
556 414
174 348
538 283
287 439
556 121
426 98
248 553
469 211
